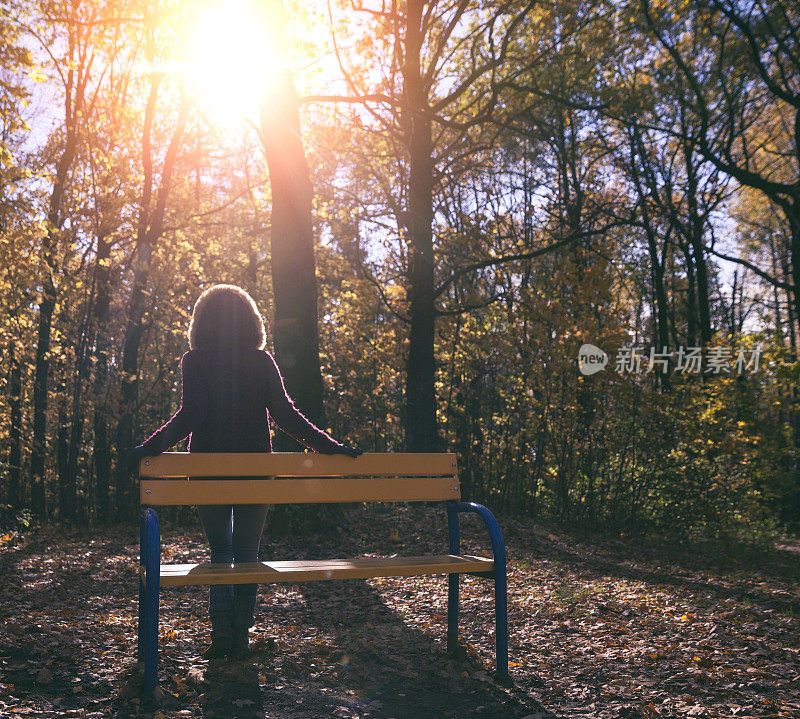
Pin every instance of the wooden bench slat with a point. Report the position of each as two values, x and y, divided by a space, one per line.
179 575
297 464
300 491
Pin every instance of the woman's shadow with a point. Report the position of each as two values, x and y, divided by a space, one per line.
386 659
342 650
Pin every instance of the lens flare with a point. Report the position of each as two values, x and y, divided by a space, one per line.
234 55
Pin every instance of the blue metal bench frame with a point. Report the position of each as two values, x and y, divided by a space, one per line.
498 574
150 560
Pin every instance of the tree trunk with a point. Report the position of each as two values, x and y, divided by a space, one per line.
701 271
74 87
68 471
295 329
794 226
65 492
15 430
101 454
68 498
691 302
39 442
421 427
694 229
130 380
151 223
294 281
46 308
776 297
656 267
791 512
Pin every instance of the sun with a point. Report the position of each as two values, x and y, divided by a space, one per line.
234 55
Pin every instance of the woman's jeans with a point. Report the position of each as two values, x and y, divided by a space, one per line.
231 606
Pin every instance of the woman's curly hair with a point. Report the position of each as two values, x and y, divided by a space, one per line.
226 317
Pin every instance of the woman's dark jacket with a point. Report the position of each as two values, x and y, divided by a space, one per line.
226 402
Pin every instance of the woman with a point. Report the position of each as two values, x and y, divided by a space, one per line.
231 385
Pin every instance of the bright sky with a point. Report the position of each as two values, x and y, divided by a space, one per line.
234 55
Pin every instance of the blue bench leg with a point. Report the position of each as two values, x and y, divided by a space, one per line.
500 578
501 623
453 581
140 630
152 569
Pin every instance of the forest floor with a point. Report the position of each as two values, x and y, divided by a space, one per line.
599 628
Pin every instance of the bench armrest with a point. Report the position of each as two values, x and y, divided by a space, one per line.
495 533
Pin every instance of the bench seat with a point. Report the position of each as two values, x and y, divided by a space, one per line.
181 575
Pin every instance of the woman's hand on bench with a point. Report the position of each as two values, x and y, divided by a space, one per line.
135 456
349 451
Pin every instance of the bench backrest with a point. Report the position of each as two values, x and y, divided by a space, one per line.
296 478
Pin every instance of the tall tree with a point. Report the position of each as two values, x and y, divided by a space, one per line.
295 327
440 79
422 430
153 199
76 29
16 60
747 74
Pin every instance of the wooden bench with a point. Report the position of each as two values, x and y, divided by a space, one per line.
282 478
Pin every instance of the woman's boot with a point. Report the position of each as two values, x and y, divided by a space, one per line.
221 633
243 619
240 643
